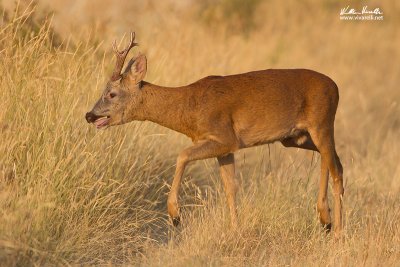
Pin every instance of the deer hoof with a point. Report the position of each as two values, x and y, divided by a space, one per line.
176 221
327 227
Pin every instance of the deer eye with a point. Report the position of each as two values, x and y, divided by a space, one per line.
112 95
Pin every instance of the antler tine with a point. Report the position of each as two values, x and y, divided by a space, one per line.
133 35
114 46
121 55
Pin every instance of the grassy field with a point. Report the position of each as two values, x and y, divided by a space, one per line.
71 195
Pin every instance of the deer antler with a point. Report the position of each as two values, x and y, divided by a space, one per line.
121 55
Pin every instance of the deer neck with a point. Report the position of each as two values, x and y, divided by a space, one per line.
166 106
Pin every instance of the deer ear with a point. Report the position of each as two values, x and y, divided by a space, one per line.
138 68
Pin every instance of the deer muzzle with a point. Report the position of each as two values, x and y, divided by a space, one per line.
99 121
90 117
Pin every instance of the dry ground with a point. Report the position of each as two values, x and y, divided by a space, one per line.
72 195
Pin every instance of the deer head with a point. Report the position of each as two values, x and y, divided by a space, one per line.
122 93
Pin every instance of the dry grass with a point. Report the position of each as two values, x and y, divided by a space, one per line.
72 195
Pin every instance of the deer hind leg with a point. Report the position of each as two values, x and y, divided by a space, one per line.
322 202
227 171
201 150
324 141
305 142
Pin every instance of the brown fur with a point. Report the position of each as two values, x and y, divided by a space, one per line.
222 114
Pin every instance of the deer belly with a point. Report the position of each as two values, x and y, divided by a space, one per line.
254 135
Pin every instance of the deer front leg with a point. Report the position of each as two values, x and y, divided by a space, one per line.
201 150
227 171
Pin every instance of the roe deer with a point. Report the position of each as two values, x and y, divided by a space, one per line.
222 114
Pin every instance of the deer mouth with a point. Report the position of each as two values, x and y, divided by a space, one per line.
102 122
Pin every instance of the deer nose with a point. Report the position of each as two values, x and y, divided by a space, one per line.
89 117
